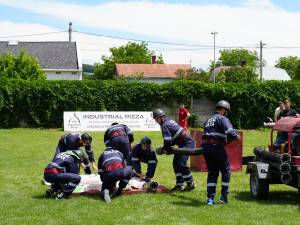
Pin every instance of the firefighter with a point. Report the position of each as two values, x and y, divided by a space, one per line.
217 132
72 141
173 134
112 168
119 137
63 172
143 152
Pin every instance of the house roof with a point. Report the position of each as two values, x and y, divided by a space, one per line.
51 55
150 70
274 73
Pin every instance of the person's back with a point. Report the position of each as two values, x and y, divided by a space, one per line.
63 172
119 137
112 168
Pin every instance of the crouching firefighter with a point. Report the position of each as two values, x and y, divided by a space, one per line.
63 172
119 137
174 134
73 141
112 168
217 132
143 152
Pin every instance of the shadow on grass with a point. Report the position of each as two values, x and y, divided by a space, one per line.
186 201
274 198
41 196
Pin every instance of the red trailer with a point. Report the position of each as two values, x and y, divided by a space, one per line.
280 164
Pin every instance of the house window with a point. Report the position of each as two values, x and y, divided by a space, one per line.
58 72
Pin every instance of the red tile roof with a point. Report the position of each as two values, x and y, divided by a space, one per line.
150 70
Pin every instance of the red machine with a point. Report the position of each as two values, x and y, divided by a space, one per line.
279 165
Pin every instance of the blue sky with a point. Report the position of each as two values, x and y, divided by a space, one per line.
238 23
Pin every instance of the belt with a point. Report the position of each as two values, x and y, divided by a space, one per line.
212 141
51 170
113 166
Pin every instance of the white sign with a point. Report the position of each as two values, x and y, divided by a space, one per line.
100 121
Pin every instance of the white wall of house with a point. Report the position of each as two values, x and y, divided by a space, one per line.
64 75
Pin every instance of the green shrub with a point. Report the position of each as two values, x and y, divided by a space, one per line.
41 103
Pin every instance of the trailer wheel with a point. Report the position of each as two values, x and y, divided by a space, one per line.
259 188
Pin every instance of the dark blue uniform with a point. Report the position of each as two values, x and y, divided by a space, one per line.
148 156
217 129
119 137
63 172
72 141
174 134
283 136
112 168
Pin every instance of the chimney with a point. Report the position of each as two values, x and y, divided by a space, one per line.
70 32
153 59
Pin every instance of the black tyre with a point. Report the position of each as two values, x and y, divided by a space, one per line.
259 188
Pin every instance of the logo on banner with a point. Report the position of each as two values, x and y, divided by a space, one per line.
74 121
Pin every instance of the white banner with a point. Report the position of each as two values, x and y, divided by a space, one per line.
100 121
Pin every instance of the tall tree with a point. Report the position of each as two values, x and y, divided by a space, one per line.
291 64
238 57
130 53
22 66
242 63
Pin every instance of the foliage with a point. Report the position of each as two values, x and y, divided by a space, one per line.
132 53
42 103
238 57
87 68
237 74
192 74
291 64
22 66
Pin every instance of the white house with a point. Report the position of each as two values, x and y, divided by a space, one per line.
60 60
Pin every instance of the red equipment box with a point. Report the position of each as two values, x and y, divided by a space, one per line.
234 151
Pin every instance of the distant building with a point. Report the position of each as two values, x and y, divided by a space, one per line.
160 73
269 73
59 60
274 73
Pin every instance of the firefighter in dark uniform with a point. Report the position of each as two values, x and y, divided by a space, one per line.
112 168
217 132
143 152
63 172
119 137
73 141
174 134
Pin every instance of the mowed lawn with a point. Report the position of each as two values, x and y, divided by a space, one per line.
25 153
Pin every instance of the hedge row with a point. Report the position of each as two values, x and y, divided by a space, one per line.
41 103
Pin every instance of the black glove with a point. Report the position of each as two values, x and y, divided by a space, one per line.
159 150
87 170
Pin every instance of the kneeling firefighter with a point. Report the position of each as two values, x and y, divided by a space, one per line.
63 173
112 168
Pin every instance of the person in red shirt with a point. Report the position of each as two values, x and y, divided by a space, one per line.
183 116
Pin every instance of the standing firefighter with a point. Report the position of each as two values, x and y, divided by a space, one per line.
174 134
143 152
217 131
63 172
112 168
74 141
119 137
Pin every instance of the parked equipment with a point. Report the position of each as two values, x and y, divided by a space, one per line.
279 165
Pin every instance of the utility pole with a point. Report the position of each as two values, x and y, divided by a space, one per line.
214 33
70 32
261 45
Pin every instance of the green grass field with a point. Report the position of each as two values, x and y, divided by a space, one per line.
25 153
